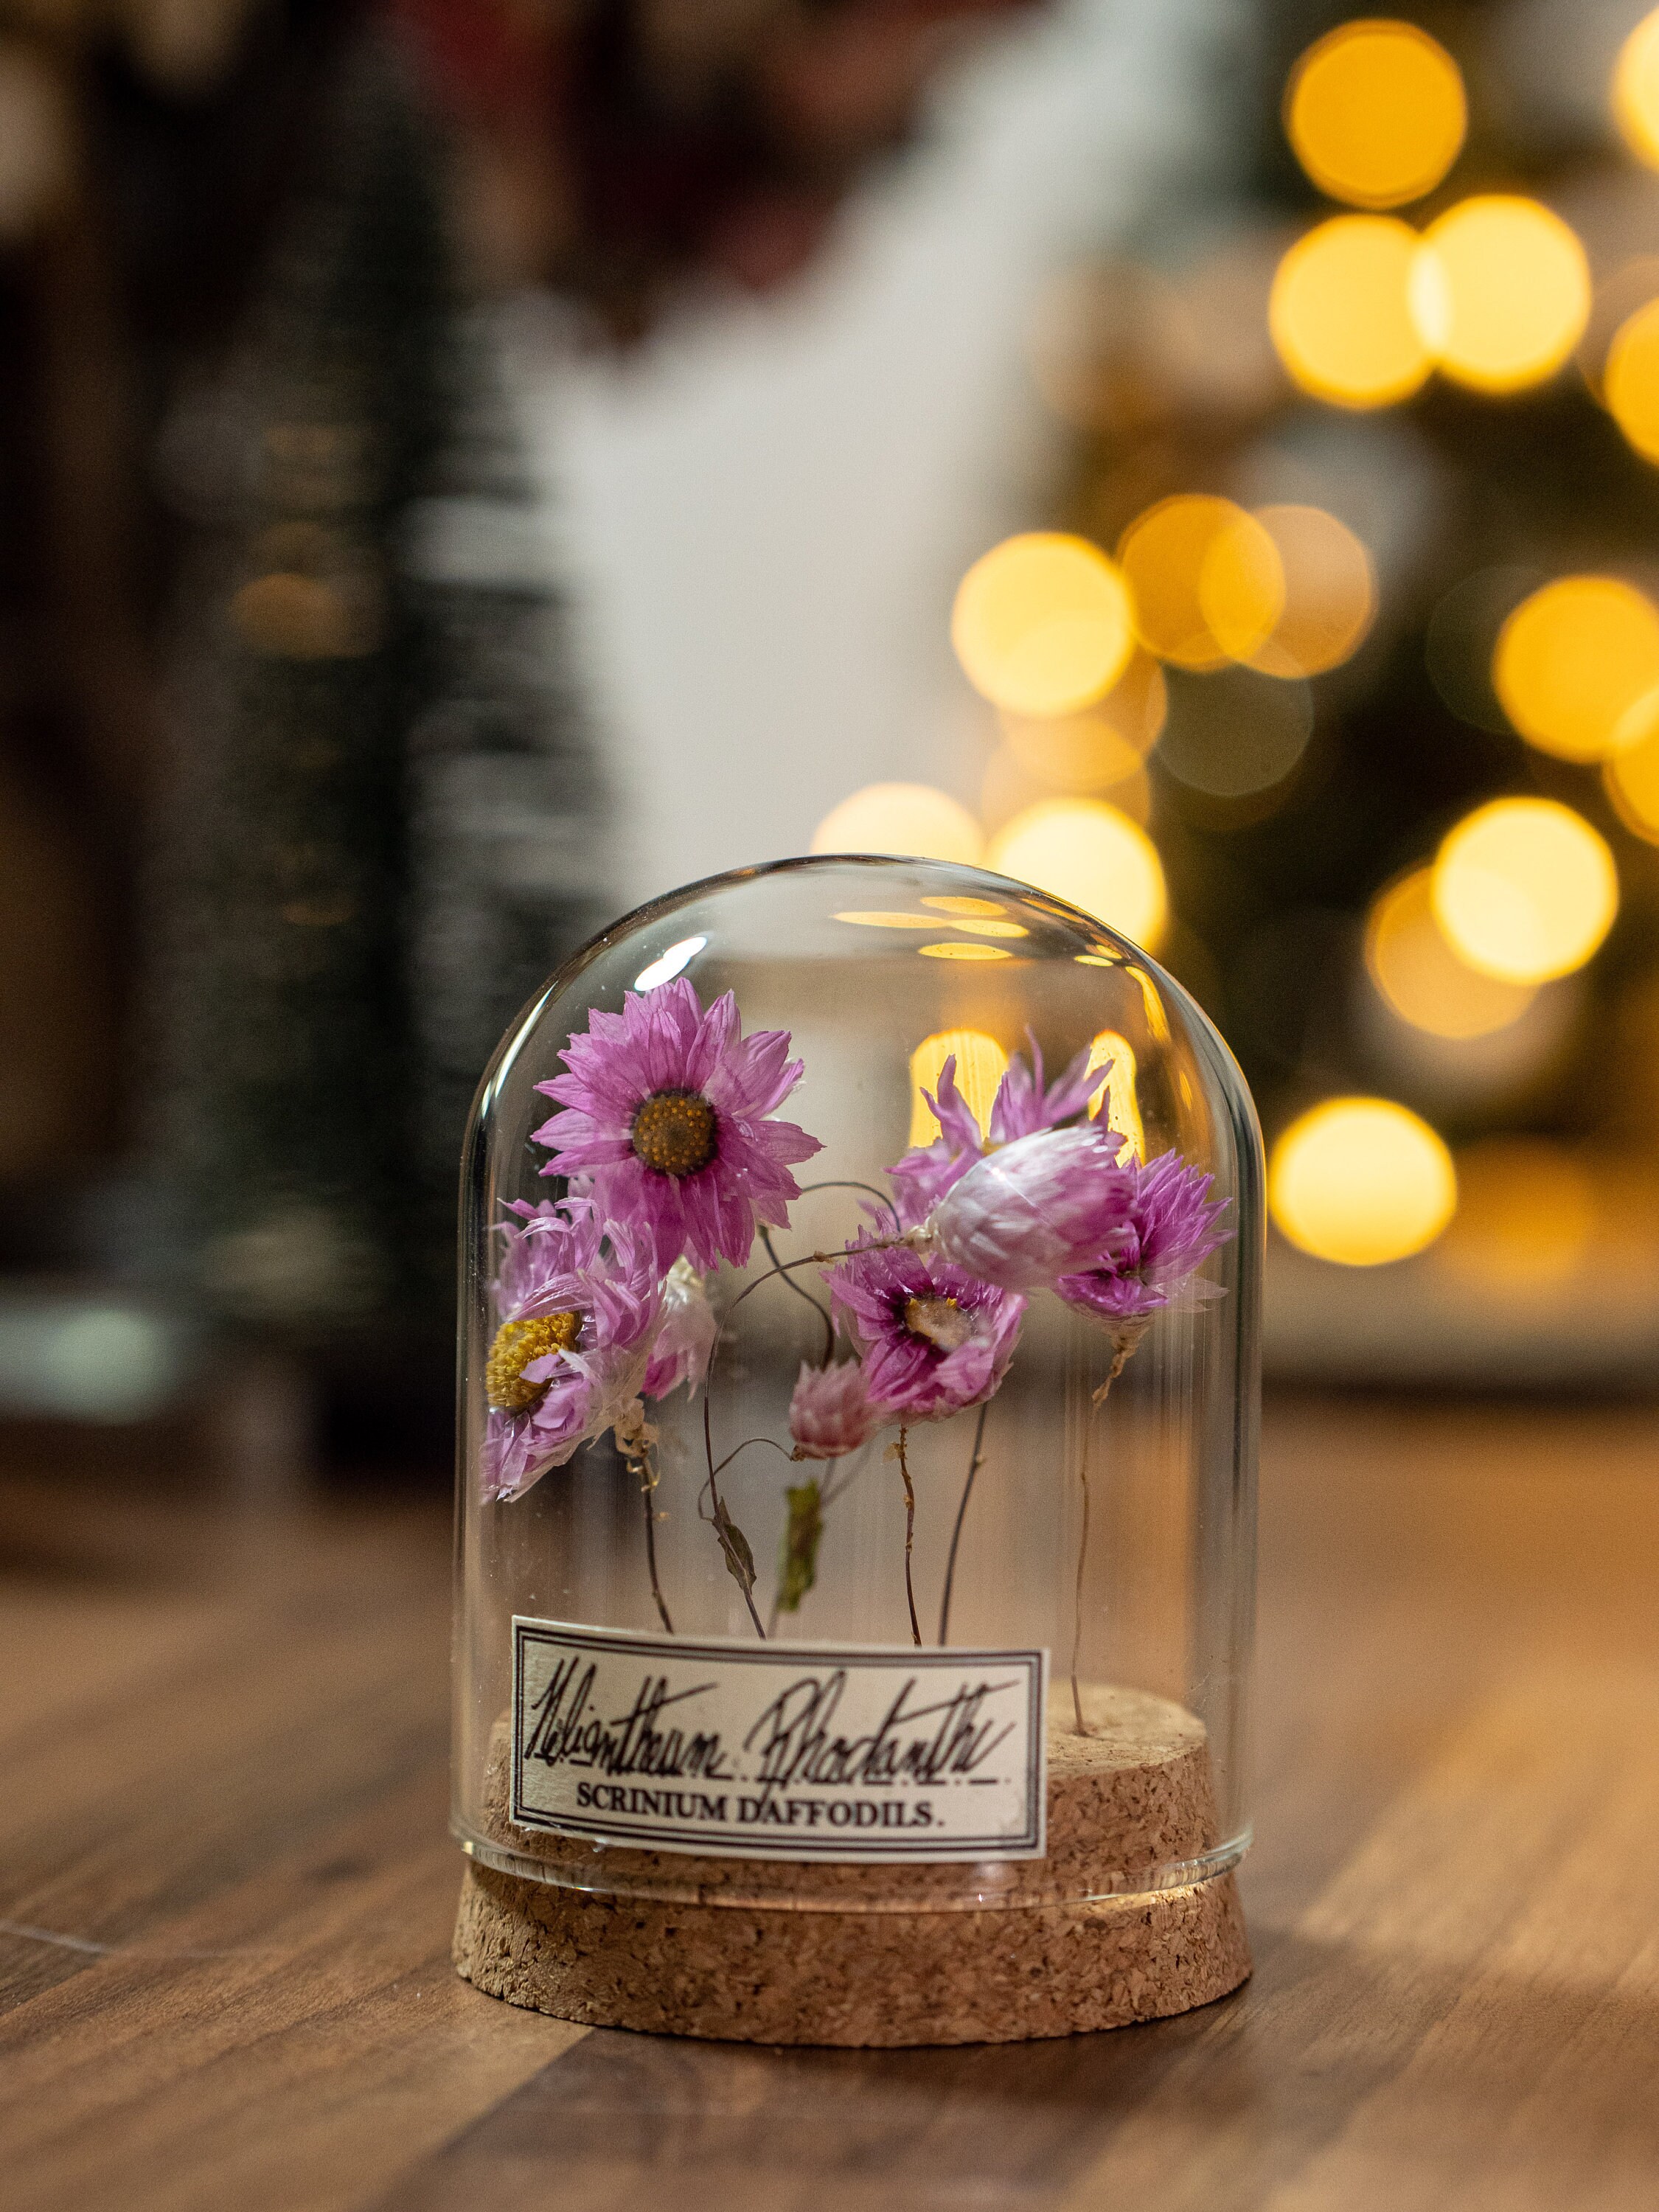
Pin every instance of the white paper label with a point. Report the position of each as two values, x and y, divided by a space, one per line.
764 1751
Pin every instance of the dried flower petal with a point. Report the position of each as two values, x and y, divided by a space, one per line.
1037 1209
1171 1230
932 1337
831 1413
668 1110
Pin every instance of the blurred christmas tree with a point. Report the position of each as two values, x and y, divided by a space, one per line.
1368 745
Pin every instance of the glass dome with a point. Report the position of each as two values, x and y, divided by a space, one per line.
859 1404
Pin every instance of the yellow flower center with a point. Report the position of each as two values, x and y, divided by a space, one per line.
517 1343
941 1322
673 1132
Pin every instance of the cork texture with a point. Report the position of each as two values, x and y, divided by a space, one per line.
1134 1794
679 1945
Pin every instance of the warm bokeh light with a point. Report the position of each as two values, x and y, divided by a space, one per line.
1636 90
1420 976
1099 745
1089 854
975 917
1077 753
950 950
981 1066
1375 112
949 903
1361 1180
1117 1098
1206 579
1008 789
1631 777
1500 292
1526 1215
1341 313
1630 383
887 918
1524 889
1571 661
1330 593
1042 624
910 819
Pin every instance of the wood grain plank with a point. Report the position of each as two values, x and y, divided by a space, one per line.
224 1742
231 1799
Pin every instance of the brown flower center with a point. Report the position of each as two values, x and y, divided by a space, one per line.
941 1322
517 1343
673 1133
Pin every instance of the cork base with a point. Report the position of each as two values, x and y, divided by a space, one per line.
738 1974
718 1958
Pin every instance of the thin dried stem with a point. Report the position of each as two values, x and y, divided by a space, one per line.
646 1469
976 1460
818 1305
910 1537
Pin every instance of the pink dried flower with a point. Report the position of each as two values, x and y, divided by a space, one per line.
1038 1208
933 1338
1171 1230
831 1413
1023 1106
684 1342
577 1302
921 1178
667 1109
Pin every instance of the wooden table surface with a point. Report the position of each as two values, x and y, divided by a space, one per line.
225 1890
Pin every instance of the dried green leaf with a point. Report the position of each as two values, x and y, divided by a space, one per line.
739 1559
797 1564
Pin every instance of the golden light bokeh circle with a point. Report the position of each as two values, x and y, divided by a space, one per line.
1361 1182
1420 976
1341 315
909 819
1630 382
1206 580
1375 112
1041 623
1499 292
1091 855
1630 778
1524 889
1330 593
1101 745
1636 90
1571 661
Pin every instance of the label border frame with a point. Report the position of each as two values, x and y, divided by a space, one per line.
1032 1843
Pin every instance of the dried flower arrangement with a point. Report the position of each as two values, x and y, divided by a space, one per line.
675 1160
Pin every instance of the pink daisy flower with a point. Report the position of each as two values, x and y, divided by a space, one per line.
667 1109
570 1354
1170 1229
830 1413
1038 1208
932 1337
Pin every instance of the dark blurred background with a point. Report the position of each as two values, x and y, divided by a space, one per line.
467 466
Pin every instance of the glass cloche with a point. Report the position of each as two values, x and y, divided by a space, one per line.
859 1403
